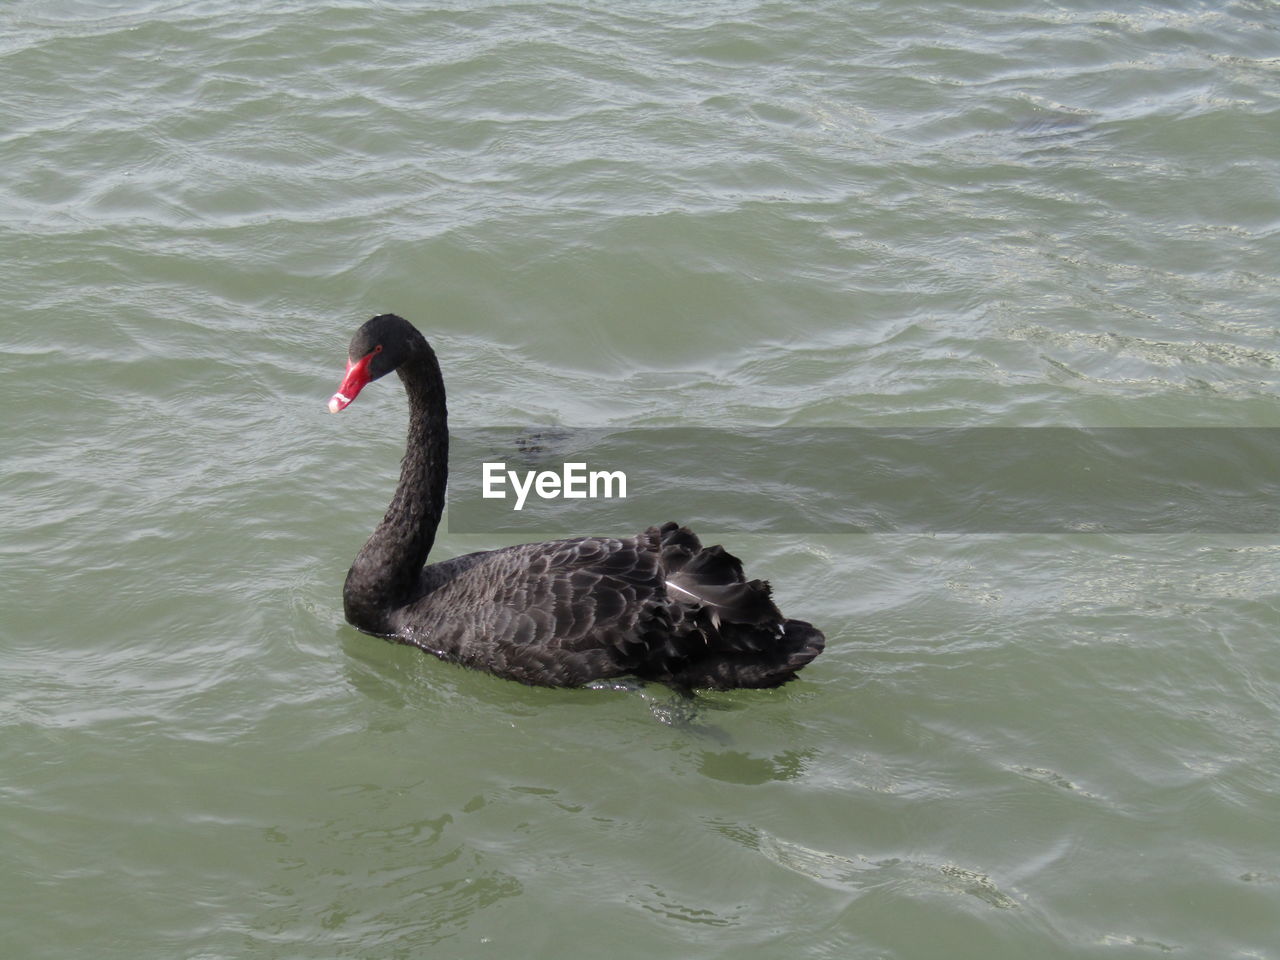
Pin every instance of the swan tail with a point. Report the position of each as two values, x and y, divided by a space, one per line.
726 632
771 665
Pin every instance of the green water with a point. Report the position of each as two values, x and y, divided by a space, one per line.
731 216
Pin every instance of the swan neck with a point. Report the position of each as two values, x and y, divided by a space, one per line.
387 571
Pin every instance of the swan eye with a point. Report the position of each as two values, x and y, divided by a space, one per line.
378 348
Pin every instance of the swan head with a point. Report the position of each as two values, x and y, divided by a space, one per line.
378 347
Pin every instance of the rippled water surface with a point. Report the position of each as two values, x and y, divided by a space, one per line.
731 216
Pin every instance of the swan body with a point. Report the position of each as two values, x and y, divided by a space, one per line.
657 606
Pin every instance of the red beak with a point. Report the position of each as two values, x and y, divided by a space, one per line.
352 383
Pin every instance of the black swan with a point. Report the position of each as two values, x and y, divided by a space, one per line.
658 606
